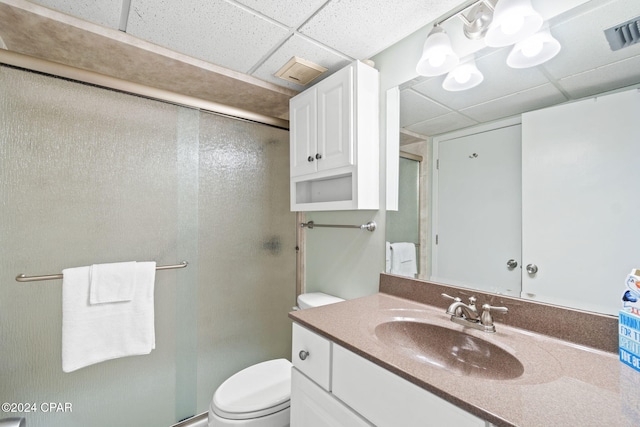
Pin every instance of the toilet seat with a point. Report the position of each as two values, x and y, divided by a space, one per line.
256 391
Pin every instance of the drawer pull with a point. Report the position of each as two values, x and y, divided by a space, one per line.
303 354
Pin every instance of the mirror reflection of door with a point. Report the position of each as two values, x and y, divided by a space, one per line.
478 213
403 225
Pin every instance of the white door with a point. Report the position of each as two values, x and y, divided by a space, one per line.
303 133
478 211
335 120
581 201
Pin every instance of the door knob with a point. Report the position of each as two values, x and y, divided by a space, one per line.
532 268
512 263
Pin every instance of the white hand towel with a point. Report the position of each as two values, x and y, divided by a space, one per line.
100 332
403 259
387 264
112 282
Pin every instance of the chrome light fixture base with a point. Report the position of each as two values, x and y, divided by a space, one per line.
477 22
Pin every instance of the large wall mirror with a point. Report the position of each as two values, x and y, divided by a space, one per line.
485 128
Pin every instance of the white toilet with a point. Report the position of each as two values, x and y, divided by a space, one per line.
258 396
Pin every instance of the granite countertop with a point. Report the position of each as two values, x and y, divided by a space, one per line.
563 383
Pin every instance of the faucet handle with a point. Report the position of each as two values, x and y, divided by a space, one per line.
456 299
487 320
487 308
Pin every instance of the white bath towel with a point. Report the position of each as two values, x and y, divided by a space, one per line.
112 282
93 333
403 259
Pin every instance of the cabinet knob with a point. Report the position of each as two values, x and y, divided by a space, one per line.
532 269
303 354
318 156
310 159
512 263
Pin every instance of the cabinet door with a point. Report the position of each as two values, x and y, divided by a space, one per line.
311 354
335 120
387 400
313 407
303 133
580 176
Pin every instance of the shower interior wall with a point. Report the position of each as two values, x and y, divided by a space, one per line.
90 175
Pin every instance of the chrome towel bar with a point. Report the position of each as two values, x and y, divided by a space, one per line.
370 226
23 278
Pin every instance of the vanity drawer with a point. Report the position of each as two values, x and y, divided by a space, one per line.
311 354
388 400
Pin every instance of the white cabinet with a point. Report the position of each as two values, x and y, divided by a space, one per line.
313 407
311 354
322 125
334 142
359 392
387 400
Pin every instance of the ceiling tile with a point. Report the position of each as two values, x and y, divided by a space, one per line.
291 13
443 124
215 30
529 100
584 44
415 108
361 29
305 49
103 12
614 76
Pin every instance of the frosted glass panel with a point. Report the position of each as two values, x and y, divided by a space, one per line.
247 249
89 175
403 225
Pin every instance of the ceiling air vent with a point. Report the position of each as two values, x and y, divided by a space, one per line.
300 71
624 35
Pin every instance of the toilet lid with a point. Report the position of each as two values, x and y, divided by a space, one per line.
256 391
316 299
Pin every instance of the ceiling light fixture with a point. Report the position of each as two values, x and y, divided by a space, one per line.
501 23
463 77
513 21
438 56
534 50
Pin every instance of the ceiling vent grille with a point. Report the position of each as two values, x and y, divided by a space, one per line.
300 71
624 35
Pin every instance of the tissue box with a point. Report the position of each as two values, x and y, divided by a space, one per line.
629 339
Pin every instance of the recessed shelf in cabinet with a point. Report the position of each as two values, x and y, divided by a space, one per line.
330 189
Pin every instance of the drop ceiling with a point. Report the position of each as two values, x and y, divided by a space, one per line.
228 51
202 45
585 66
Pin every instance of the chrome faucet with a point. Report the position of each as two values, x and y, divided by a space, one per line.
467 314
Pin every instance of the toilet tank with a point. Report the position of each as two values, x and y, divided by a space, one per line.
316 299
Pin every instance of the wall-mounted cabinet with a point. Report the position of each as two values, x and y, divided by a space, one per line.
334 142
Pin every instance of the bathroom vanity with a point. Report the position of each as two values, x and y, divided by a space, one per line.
395 358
